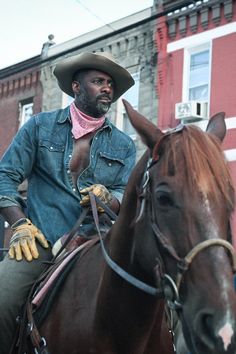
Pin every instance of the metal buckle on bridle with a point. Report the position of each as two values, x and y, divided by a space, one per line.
42 346
171 293
30 326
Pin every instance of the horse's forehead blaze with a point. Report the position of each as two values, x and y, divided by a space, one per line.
206 206
226 334
203 184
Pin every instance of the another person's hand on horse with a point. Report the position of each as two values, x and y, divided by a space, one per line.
23 240
99 191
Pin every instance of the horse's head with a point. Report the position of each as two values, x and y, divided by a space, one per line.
185 202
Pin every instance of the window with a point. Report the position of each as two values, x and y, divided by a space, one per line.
25 111
198 76
197 73
132 97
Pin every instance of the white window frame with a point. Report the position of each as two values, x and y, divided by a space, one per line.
186 69
23 117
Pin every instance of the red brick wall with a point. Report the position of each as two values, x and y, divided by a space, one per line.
13 90
223 75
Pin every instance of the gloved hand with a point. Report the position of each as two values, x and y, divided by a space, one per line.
100 191
23 240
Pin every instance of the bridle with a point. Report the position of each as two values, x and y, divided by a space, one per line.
168 288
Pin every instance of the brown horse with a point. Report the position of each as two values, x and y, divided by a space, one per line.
168 245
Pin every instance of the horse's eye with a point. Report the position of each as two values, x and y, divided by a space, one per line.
164 199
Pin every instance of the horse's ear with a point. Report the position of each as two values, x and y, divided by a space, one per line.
217 125
148 132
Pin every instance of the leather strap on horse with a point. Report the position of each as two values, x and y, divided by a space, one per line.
114 266
39 343
184 264
107 210
72 232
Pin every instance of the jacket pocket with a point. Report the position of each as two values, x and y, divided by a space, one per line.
51 155
107 168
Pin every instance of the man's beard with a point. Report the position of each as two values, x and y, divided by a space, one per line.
103 107
93 108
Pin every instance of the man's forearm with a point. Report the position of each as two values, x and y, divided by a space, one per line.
12 214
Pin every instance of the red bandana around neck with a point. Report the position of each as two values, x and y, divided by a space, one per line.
83 124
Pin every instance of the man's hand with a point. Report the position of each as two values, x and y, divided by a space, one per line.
100 191
23 241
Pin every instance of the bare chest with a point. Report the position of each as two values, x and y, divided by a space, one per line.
80 155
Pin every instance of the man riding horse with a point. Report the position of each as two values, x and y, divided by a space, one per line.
64 154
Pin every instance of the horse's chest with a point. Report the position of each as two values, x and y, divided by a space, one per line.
80 156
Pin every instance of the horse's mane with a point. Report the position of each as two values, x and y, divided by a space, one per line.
202 155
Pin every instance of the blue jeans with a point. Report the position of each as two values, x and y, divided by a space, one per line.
16 279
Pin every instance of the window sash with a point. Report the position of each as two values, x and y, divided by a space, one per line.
196 79
26 111
199 75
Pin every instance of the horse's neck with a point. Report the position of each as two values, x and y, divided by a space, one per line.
134 309
131 311
123 231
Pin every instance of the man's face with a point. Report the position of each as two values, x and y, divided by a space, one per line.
94 92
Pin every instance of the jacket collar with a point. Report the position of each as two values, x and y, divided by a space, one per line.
64 115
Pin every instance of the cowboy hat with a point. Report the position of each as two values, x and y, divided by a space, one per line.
66 69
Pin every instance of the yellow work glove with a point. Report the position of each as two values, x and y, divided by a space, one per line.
100 191
23 240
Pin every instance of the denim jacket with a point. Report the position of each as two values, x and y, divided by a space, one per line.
41 152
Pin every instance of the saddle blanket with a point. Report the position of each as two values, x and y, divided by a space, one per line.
40 295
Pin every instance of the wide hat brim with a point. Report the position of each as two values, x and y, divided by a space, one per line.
65 71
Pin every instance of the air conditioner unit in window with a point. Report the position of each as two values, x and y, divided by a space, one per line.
192 110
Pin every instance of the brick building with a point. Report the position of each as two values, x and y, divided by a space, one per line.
196 67
20 96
